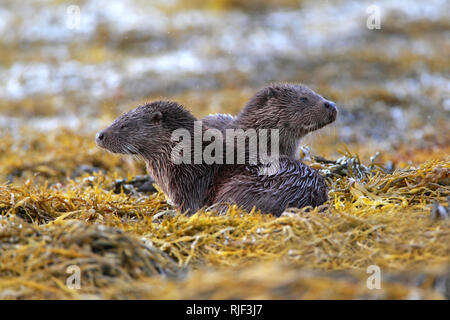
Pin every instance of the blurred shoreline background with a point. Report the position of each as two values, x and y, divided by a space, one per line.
391 85
68 68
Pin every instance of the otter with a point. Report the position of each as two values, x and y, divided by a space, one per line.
147 133
293 109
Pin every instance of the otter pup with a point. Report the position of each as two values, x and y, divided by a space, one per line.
147 132
293 109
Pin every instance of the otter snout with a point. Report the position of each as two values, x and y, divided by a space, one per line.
331 109
100 138
110 140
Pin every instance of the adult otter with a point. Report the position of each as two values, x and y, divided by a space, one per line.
293 109
147 132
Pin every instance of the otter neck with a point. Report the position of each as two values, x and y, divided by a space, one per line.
290 142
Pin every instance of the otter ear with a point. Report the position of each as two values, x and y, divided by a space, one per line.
270 92
157 117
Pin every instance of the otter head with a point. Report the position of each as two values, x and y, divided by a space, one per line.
291 107
146 130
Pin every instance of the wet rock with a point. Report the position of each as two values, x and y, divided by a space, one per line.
84 169
137 184
440 212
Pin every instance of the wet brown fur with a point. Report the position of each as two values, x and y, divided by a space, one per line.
293 109
146 132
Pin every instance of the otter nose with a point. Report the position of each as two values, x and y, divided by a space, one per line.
330 105
100 135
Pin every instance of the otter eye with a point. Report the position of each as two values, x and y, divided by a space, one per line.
304 99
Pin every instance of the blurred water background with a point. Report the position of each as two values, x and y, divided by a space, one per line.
79 64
